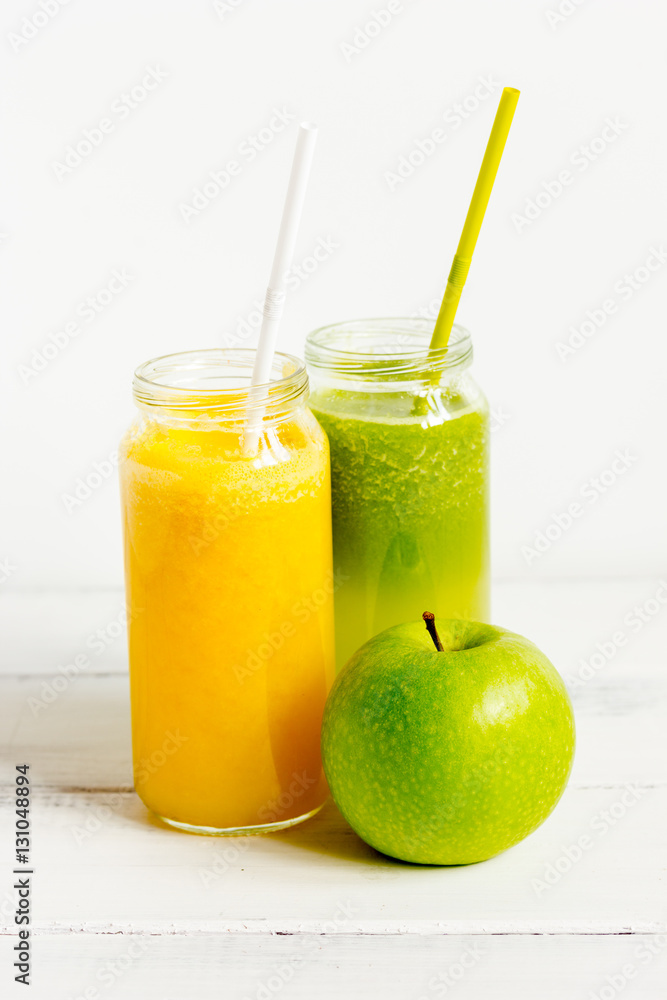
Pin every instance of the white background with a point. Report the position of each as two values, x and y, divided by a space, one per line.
192 282
107 877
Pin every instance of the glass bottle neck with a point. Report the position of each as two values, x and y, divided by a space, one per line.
386 355
216 385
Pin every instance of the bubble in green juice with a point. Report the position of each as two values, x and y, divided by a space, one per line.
410 511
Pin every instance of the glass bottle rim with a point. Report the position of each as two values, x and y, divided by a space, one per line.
218 379
391 348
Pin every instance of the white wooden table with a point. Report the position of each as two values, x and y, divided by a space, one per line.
124 907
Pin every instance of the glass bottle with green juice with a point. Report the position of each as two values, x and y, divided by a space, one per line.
408 429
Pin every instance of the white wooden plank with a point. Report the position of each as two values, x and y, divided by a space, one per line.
304 967
102 864
82 737
78 737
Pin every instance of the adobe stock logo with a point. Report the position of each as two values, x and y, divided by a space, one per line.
223 7
624 289
452 119
87 310
606 649
600 825
581 159
615 982
249 324
591 491
85 486
560 14
365 34
121 108
247 151
32 25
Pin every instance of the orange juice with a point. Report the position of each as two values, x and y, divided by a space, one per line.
229 582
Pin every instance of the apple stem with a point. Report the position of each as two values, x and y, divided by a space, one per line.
429 618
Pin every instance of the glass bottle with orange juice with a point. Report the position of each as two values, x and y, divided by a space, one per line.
229 583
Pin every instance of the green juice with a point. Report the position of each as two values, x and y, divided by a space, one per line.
410 502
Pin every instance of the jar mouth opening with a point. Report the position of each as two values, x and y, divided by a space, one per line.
392 347
218 379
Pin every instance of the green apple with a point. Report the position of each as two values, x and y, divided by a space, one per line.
447 749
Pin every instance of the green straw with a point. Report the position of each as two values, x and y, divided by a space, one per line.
480 199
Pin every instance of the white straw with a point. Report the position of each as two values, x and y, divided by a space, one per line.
282 261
